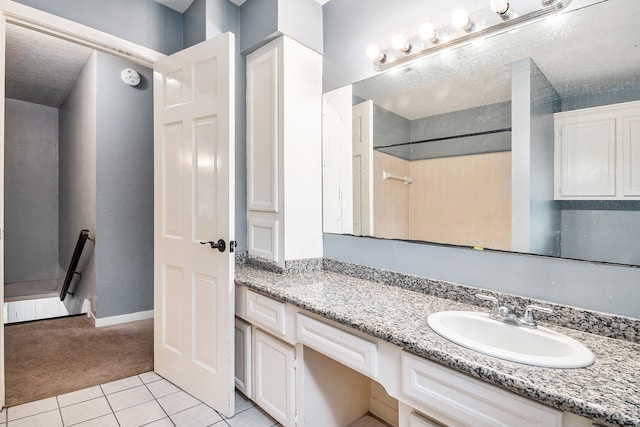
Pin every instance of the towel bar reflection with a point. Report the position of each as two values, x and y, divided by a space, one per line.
386 175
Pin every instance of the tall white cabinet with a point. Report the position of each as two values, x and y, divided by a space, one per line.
284 158
597 153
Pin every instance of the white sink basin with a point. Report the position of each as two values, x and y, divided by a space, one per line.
533 346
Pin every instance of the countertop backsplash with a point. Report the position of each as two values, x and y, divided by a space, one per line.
604 324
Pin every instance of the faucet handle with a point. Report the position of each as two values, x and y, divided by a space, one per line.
528 318
495 304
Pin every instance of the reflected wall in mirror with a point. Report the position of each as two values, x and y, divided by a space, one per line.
462 147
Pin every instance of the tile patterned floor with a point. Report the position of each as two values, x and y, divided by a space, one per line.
141 400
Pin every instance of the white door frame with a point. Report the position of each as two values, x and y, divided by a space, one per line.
15 13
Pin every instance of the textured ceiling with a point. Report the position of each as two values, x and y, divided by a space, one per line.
41 69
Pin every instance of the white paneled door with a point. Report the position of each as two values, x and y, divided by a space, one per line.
194 204
362 129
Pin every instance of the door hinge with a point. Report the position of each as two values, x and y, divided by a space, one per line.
295 419
295 363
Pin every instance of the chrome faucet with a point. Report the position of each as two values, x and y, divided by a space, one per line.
507 314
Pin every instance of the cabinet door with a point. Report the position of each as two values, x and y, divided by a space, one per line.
243 357
586 155
631 155
264 186
262 129
274 377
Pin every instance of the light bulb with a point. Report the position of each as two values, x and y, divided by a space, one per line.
499 6
373 52
398 42
503 9
428 32
462 20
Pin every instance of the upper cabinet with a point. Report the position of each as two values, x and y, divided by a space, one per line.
597 153
284 157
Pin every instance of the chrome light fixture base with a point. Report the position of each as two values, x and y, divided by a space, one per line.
412 55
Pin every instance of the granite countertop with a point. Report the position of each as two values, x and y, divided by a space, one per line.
608 392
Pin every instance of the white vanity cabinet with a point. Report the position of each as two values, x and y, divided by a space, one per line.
284 157
597 153
306 371
310 371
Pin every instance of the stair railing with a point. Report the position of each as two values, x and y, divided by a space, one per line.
71 271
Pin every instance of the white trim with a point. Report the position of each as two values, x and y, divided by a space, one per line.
91 316
124 318
2 113
86 307
65 29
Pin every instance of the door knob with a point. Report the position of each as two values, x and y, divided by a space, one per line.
220 245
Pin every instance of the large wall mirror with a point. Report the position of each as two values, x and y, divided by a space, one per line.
461 147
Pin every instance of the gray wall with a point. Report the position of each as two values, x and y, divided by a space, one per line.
31 192
301 20
193 23
124 190
438 130
478 119
544 225
144 22
486 118
535 225
347 32
259 20
77 154
263 20
618 93
389 128
601 230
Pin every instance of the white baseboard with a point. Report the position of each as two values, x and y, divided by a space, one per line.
124 318
86 308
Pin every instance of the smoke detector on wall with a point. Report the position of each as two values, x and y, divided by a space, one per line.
130 77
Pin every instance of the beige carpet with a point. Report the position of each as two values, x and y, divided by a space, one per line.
51 357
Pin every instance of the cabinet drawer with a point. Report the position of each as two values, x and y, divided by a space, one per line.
464 401
417 420
351 350
267 313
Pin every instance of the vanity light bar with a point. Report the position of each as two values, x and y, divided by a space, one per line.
383 62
